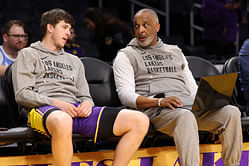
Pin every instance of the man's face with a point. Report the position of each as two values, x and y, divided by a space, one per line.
16 38
146 28
60 34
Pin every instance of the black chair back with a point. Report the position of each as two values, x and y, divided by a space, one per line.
100 78
5 120
201 67
231 66
15 118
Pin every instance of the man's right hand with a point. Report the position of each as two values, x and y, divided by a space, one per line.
66 107
171 102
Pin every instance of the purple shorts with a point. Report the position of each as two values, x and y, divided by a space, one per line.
99 125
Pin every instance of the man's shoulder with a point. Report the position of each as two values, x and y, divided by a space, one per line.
27 49
128 49
72 57
2 53
171 46
244 50
128 52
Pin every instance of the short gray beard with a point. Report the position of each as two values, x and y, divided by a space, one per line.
146 42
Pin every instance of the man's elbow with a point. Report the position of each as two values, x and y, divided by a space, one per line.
127 102
20 98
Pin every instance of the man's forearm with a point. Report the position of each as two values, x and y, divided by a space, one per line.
146 102
170 102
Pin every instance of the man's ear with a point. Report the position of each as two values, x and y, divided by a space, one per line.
50 28
157 27
5 37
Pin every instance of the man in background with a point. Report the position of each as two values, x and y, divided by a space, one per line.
14 39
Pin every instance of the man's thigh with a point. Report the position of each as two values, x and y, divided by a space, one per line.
165 120
214 119
37 118
99 125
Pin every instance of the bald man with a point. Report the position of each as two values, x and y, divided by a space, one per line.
154 77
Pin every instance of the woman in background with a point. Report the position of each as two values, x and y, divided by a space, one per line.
111 34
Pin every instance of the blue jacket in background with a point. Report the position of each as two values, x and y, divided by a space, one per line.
243 66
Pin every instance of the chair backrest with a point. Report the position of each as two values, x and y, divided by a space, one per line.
5 120
100 78
231 66
15 117
201 67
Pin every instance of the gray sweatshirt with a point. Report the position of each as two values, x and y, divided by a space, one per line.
161 68
40 75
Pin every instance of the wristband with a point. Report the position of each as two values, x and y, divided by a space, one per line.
159 102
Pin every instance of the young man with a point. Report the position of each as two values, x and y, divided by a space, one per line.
52 82
146 69
14 39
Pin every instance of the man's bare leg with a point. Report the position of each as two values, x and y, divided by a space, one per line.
132 126
59 125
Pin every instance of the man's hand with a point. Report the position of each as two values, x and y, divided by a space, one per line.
147 102
66 107
171 102
84 109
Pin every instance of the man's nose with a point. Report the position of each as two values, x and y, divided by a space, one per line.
141 29
68 32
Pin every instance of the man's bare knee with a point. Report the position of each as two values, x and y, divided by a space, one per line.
128 120
142 122
59 122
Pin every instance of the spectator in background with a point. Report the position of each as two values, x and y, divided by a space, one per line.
220 19
243 67
244 50
14 39
111 34
28 35
71 46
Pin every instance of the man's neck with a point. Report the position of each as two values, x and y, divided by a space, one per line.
11 52
48 44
